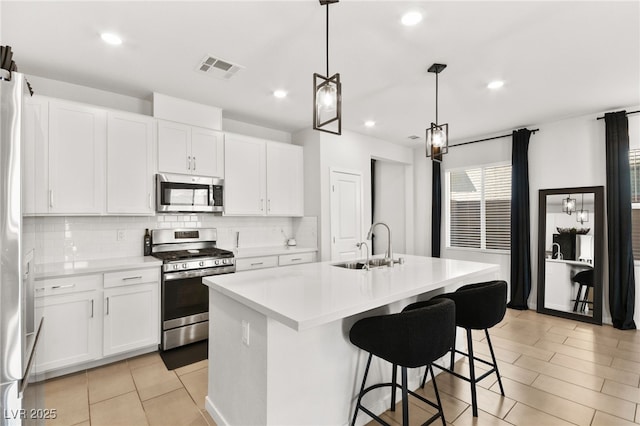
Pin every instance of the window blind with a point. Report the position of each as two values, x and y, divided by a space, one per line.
480 208
634 166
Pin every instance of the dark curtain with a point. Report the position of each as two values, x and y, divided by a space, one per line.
436 208
520 222
621 276
373 199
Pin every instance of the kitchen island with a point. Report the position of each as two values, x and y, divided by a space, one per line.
279 351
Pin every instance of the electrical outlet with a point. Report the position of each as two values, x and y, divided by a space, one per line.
246 327
121 235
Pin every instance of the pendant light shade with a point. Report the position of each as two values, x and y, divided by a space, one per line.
438 134
582 215
327 93
569 205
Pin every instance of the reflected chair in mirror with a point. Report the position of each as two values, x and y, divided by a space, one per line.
410 339
479 306
584 279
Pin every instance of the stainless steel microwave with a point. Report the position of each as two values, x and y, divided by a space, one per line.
189 194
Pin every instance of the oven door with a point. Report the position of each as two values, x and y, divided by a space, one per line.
183 193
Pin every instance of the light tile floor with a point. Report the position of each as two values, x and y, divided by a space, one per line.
555 372
137 391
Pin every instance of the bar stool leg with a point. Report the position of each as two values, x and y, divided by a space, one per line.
453 350
495 363
435 390
364 380
405 398
472 375
394 379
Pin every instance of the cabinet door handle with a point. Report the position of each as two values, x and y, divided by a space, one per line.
51 198
257 264
194 163
261 204
297 259
268 205
91 309
107 306
150 206
188 162
55 287
139 277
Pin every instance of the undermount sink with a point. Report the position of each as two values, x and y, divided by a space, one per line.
359 264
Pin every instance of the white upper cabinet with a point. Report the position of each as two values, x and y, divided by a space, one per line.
35 148
130 167
77 136
285 180
190 150
262 177
245 180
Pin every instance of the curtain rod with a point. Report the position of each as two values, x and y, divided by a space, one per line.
629 113
488 139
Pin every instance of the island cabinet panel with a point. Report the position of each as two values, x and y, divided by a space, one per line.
77 137
130 168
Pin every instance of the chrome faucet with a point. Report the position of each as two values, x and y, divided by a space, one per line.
388 257
359 245
558 253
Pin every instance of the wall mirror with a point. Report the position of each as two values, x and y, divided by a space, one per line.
570 252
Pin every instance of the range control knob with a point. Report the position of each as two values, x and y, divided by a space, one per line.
217 262
201 263
224 261
175 266
184 266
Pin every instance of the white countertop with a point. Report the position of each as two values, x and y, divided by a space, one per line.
570 262
81 267
241 253
309 295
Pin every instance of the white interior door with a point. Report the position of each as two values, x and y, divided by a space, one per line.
346 215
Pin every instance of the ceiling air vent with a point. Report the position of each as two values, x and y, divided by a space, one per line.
217 67
413 137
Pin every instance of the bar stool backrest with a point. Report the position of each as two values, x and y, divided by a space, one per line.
479 306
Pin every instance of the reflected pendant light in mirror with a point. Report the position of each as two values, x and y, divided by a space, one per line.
582 215
327 93
437 134
569 205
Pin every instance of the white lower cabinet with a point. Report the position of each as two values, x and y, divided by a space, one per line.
90 317
72 329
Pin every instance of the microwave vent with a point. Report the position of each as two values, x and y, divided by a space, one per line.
218 68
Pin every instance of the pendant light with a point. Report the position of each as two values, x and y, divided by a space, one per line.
437 134
327 93
569 205
582 215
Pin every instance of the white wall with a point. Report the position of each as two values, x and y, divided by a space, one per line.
564 153
389 198
350 151
242 128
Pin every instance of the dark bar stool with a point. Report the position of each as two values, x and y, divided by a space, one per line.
583 279
409 339
478 307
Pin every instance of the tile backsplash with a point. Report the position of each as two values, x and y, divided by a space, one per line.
69 238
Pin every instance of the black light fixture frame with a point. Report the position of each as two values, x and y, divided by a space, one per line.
567 204
436 152
320 81
582 215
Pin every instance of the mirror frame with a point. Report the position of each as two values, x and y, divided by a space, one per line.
598 236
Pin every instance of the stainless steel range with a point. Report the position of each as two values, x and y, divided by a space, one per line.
187 256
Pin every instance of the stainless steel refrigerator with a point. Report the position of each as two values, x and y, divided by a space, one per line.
20 404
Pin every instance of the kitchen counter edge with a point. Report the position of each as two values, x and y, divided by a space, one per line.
93 266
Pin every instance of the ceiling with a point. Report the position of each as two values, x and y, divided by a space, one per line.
557 59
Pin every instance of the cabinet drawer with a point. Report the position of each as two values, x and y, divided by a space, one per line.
132 277
66 285
293 259
256 263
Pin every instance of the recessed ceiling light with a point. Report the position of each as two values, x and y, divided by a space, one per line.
410 19
280 94
369 123
495 84
111 38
